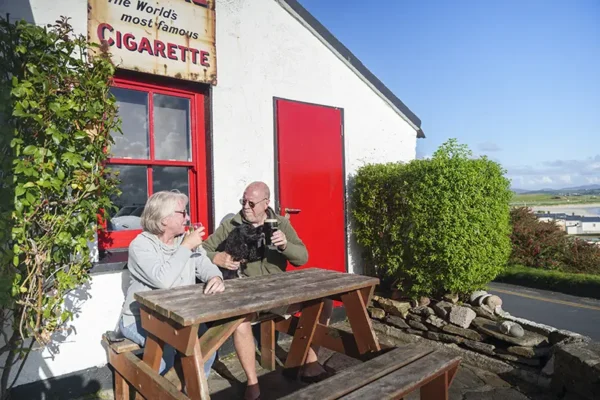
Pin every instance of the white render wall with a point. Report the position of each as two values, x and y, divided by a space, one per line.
96 307
262 52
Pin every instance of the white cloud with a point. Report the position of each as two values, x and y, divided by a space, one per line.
565 179
556 174
488 146
537 181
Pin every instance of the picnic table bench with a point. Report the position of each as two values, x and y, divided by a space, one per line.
173 316
392 375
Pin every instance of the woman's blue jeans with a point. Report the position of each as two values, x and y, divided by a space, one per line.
137 334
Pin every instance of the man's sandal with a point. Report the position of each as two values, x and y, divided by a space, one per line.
252 392
315 378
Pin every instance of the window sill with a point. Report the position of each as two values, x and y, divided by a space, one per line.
110 261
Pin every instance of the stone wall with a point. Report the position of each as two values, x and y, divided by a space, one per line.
577 369
484 333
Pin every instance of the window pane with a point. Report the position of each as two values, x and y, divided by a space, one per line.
169 178
171 128
134 188
133 111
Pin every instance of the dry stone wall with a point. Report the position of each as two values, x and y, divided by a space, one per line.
571 362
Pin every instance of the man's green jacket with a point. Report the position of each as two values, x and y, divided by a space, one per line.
273 261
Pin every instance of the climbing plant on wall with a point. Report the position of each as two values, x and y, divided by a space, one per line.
57 115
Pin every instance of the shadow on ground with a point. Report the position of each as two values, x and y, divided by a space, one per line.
230 382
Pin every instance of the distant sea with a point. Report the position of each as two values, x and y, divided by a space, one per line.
577 209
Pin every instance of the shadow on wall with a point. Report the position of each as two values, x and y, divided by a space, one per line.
125 282
226 218
70 385
356 258
20 9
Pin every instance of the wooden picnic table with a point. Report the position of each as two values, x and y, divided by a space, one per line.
173 316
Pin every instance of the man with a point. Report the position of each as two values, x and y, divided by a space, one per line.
255 210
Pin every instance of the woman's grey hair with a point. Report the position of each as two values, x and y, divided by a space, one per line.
158 207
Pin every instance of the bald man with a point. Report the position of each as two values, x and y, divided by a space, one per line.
255 210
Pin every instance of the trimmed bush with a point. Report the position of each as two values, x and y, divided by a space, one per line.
434 226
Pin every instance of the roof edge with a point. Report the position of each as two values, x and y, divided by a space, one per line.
344 54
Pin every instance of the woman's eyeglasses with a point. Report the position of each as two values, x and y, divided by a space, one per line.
250 203
184 213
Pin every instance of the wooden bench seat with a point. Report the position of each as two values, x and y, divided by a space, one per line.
126 365
121 346
392 375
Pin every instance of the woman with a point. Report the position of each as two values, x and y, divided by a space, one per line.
163 257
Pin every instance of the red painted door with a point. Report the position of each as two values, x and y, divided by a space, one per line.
310 178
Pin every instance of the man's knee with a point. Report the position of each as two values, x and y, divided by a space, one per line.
245 328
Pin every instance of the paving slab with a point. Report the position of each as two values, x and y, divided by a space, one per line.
227 380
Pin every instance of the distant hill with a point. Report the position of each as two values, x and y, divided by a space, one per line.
583 188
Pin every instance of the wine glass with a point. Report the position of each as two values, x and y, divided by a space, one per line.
192 228
196 225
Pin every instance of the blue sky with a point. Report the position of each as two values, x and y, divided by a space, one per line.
518 81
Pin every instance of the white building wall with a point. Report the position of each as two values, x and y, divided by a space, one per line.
590 227
262 52
96 307
573 230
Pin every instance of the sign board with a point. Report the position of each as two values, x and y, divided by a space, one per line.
174 38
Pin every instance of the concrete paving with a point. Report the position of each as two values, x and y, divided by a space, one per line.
227 381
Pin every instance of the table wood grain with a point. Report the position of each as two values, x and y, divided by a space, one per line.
188 305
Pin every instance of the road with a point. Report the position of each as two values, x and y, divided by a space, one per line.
577 314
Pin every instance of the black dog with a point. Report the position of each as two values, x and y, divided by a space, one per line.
244 244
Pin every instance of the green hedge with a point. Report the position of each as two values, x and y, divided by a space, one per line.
436 225
584 285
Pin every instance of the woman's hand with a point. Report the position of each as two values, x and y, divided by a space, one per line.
193 239
214 285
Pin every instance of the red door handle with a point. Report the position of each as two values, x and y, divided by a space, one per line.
289 211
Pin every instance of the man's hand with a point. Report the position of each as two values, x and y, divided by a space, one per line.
215 285
224 260
279 240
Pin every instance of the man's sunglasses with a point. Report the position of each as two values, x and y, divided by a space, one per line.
251 203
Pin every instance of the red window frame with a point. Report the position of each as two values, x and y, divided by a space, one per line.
197 176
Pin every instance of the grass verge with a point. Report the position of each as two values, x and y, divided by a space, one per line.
583 285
